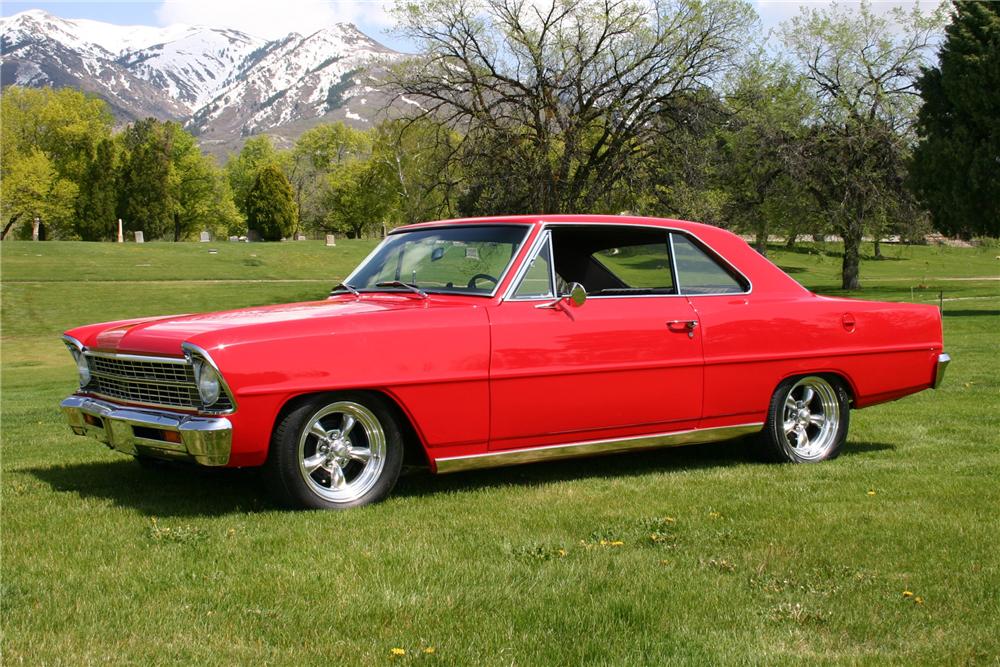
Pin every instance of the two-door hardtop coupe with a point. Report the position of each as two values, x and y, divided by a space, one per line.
488 342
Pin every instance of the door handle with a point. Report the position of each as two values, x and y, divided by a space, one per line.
683 325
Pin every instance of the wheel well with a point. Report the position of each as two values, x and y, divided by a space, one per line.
835 376
414 453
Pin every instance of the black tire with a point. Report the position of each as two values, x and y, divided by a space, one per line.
815 405
342 477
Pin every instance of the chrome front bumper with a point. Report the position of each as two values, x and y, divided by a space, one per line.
162 433
942 365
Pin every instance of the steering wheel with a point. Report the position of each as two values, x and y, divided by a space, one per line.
473 279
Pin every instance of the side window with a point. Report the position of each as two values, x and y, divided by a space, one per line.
641 267
699 273
537 280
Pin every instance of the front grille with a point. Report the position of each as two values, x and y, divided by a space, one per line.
166 384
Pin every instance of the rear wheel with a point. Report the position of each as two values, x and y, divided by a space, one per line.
807 420
336 451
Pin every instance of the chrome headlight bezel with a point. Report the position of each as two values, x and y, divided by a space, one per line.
77 349
209 381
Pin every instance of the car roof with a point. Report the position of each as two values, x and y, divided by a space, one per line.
540 219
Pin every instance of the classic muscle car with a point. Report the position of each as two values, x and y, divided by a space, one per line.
490 342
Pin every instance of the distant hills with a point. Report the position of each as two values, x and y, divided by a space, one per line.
223 84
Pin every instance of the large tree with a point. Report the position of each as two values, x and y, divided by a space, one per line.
270 205
555 97
956 165
861 67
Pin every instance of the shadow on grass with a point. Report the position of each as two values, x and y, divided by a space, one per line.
176 490
969 313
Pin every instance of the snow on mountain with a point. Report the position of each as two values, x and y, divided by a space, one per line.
223 83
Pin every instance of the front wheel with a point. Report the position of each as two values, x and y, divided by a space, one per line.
807 420
335 451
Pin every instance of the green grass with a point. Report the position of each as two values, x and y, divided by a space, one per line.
690 555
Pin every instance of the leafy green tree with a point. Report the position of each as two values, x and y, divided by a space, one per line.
31 188
270 205
860 67
955 167
97 204
357 200
318 152
147 199
242 169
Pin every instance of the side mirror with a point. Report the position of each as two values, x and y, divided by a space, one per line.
576 298
577 295
437 254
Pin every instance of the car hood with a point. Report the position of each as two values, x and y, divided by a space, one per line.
164 335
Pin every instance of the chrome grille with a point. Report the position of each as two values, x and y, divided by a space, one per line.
159 383
143 370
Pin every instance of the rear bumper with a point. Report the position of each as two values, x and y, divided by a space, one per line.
135 431
942 365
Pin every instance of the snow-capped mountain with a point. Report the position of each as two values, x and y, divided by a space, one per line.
224 84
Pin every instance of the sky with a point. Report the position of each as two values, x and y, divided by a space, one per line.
276 18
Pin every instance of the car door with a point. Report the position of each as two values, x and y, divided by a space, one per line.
627 362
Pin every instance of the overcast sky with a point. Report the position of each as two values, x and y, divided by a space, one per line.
275 18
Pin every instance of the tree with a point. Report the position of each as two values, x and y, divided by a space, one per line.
271 205
317 153
97 205
861 68
359 197
147 199
556 96
31 188
242 170
762 154
955 169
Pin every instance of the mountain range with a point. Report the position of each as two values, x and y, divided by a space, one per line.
223 84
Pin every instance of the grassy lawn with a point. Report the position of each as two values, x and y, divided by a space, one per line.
690 555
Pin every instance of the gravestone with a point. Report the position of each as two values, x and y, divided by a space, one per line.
35 225
253 235
384 231
121 235
234 238
300 237
331 240
472 253
205 237
139 237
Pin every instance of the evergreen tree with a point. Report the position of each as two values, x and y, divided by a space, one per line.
270 205
243 169
955 168
96 206
145 202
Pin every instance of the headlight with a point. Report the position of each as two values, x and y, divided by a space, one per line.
83 368
209 383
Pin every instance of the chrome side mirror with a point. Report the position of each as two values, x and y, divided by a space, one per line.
576 297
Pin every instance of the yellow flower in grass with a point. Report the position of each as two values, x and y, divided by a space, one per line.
429 650
714 515
396 651
907 594
871 492
918 600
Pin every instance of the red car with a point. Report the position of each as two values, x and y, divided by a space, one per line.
498 341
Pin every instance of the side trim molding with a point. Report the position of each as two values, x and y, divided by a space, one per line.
594 447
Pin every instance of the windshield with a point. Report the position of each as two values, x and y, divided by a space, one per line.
459 260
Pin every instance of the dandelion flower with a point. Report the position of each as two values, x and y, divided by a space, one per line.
429 650
907 594
714 515
871 492
918 600
397 651
616 543
561 552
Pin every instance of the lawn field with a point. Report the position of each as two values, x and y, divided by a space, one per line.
698 555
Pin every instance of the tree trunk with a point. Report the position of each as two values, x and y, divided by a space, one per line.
792 238
6 228
878 248
177 227
850 270
760 244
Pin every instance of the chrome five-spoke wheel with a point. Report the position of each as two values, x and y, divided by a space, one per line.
807 420
335 451
342 451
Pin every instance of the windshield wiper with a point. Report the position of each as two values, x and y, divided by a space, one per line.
345 286
400 283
